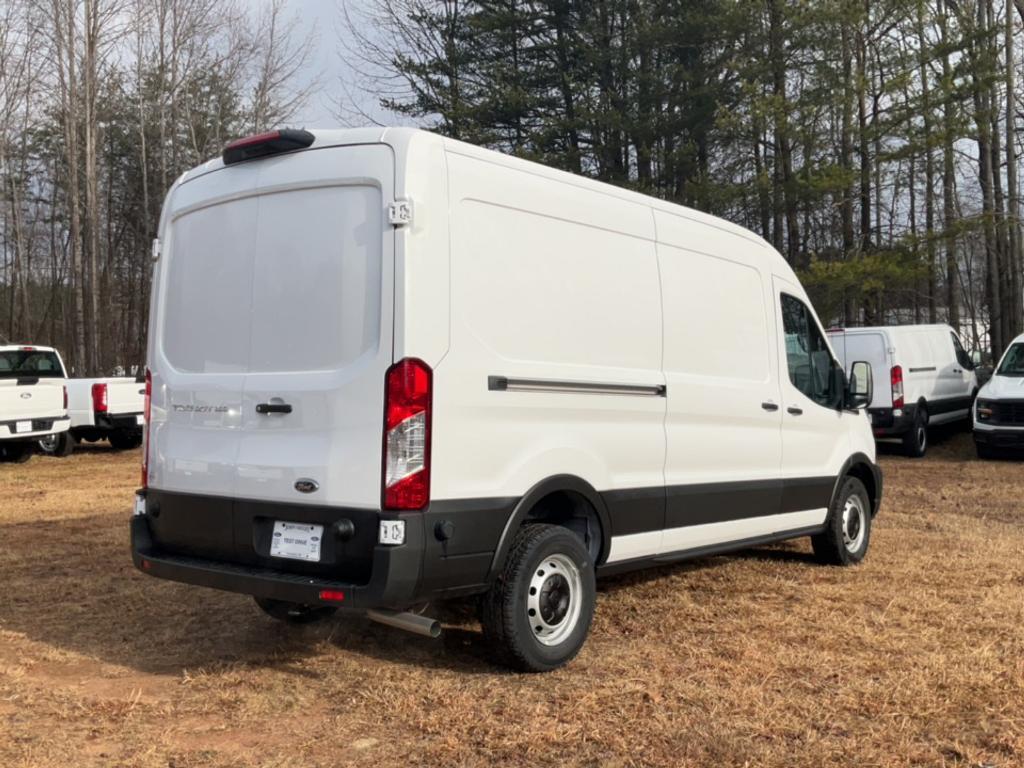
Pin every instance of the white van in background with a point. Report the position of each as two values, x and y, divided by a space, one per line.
924 377
386 368
999 409
33 399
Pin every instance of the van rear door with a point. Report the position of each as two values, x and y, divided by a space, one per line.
275 330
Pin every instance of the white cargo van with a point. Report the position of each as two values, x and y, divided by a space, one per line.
388 368
999 409
930 377
33 399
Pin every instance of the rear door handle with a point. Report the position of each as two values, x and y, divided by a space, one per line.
768 405
794 410
264 408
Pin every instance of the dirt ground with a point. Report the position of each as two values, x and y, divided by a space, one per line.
916 657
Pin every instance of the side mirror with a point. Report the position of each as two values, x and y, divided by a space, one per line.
965 360
861 387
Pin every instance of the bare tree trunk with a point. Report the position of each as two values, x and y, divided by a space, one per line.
949 214
1015 255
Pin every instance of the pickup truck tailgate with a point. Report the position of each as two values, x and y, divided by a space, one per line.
33 400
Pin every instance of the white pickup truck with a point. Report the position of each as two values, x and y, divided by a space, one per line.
33 400
104 408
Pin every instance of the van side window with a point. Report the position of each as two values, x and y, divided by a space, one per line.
808 356
961 354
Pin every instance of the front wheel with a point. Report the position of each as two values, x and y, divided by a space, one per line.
294 613
60 444
848 526
538 611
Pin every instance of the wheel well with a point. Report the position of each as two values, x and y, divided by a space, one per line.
863 473
571 510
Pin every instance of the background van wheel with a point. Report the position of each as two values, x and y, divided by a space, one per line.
16 453
915 442
60 444
848 526
537 613
294 613
125 439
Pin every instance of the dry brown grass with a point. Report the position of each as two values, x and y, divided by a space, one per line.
761 659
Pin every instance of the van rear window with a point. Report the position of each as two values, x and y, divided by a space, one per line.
21 363
281 282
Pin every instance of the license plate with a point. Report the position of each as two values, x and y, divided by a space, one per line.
296 541
140 419
23 426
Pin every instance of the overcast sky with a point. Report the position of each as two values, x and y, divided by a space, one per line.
324 18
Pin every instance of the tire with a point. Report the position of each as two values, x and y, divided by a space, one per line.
915 442
538 612
847 531
125 439
294 613
60 445
16 453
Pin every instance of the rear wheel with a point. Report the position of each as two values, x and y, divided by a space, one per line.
60 444
16 453
538 612
915 442
294 613
848 526
125 439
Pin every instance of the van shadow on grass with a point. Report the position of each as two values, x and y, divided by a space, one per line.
71 585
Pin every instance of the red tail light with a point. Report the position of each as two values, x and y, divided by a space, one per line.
65 398
407 404
896 377
332 596
99 398
145 430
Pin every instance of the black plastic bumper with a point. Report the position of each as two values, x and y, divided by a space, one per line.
395 572
1000 438
126 421
885 424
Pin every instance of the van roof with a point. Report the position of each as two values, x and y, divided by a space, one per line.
406 140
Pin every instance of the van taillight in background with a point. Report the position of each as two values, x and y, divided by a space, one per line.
407 399
99 398
145 430
65 398
896 377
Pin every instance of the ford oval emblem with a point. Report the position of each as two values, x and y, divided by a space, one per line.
26 395
305 485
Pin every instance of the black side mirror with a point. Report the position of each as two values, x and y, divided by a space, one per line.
860 388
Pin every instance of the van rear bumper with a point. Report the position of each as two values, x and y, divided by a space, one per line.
885 423
393 582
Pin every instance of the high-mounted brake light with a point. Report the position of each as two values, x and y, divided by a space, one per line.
145 430
264 144
99 398
896 378
407 405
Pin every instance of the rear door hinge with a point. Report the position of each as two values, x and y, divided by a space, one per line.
400 213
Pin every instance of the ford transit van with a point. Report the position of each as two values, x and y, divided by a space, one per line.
387 368
930 378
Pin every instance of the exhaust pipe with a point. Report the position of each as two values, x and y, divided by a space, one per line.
410 622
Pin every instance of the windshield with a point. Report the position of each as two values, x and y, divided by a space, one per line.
24 363
1013 361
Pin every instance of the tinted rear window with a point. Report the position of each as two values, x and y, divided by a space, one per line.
282 282
19 363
